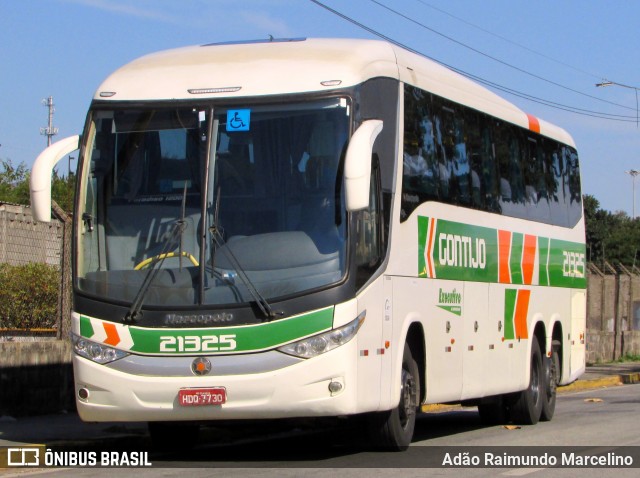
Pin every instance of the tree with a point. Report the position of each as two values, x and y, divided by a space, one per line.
63 190
14 185
612 237
14 182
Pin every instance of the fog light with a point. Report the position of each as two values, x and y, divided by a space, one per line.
335 387
83 394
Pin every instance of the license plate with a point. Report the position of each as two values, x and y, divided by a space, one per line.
197 397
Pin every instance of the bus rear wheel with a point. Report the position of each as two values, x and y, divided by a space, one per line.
551 378
528 403
393 430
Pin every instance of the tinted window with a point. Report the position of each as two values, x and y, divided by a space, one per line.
457 155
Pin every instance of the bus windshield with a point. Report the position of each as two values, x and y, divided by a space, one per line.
215 201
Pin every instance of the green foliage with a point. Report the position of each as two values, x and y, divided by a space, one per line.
14 185
629 358
612 237
29 295
14 182
63 190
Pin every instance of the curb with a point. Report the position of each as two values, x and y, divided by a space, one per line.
603 382
628 378
608 381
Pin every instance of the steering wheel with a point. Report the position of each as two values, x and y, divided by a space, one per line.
168 255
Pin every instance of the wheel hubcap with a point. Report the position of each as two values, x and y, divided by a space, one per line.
408 398
551 386
535 383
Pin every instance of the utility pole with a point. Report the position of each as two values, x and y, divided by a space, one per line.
49 131
633 173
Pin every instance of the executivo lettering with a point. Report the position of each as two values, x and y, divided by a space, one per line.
451 301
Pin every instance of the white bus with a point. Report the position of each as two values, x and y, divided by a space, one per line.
313 228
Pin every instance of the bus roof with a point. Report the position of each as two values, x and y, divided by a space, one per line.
228 70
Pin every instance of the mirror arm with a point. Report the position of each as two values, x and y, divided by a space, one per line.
357 166
40 180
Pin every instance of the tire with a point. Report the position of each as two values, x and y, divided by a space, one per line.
493 411
173 436
393 430
527 407
551 377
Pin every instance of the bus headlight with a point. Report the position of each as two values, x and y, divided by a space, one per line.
324 342
95 351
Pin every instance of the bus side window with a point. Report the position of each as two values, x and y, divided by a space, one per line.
476 156
574 199
420 165
504 171
368 234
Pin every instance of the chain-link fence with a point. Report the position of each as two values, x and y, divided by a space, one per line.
24 242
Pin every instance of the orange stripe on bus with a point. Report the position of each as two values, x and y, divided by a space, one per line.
534 124
522 310
112 334
504 249
432 227
528 258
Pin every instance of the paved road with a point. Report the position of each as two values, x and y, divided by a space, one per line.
599 420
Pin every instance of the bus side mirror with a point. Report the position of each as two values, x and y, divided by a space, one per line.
40 181
357 164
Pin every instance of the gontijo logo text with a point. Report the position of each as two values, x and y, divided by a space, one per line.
457 251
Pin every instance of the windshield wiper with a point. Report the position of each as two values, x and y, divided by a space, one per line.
261 302
175 238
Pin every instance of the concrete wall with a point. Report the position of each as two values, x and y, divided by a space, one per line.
23 240
613 315
35 377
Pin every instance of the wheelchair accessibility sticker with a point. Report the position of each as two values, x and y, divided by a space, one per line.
238 120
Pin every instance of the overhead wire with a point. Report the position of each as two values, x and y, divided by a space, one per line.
542 101
493 58
510 41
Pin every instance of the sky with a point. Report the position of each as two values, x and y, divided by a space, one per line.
550 52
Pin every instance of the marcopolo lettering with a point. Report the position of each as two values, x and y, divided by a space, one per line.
198 319
462 251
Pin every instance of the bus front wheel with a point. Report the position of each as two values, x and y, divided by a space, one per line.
393 430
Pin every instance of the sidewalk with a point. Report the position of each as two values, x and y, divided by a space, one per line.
606 375
68 429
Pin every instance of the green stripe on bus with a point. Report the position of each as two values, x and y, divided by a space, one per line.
510 296
567 264
515 261
470 253
86 329
543 248
423 229
230 339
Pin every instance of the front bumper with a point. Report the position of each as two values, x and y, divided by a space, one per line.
299 388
